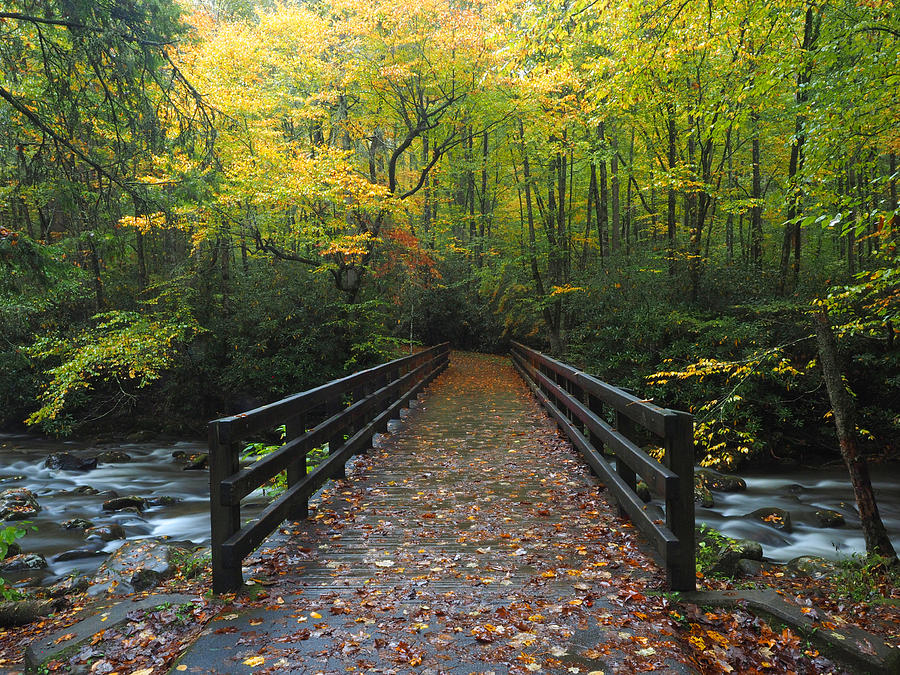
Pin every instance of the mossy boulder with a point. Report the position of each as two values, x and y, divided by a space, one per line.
642 490
829 518
808 566
720 482
731 555
702 495
122 503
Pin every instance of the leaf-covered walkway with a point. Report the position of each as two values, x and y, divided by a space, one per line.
473 539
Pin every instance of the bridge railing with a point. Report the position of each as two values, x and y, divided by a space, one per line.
580 404
344 413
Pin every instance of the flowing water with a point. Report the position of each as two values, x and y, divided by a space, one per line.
154 472
802 493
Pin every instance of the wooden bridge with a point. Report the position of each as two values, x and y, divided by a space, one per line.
480 536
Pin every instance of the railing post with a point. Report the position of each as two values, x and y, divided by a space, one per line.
296 470
625 427
359 420
335 443
681 569
225 520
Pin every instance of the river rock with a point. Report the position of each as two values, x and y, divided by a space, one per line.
23 612
18 504
76 554
137 566
140 436
113 457
122 503
720 481
66 461
810 566
11 479
12 549
777 518
77 524
732 553
829 518
69 586
105 532
179 455
164 500
23 563
702 495
197 463
642 490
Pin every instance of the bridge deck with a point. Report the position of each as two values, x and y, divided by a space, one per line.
473 539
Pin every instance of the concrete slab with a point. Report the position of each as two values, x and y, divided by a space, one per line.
106 615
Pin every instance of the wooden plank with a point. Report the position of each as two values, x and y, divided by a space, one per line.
660 478
660 537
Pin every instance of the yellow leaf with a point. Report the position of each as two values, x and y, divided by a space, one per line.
254 661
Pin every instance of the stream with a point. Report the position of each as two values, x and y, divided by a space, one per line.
154 472
802 492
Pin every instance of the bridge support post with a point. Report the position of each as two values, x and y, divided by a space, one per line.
681 569
335 442
296 470
225 520
625 427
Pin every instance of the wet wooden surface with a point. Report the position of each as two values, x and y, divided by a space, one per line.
472 540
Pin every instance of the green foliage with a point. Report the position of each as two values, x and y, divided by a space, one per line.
709 542
127 349
259 449
867 578
8 536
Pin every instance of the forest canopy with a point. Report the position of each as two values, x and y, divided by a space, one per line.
206 205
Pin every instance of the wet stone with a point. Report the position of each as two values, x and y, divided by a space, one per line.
68 586
137 566
122 503
829 518
113 457
77 524
810 566
23 562
66 461
774 517
105 532
18 504
721 482
732 554
77 554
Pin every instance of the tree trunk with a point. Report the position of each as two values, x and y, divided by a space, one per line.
876 536
792 226
535 269
141 260
756 192
670 214
614 194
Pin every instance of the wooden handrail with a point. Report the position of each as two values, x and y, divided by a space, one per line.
576 401
377 395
